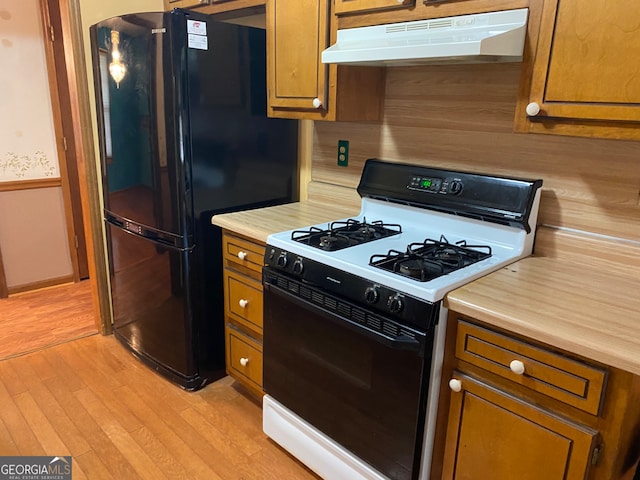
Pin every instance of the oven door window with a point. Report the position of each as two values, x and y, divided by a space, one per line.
357 386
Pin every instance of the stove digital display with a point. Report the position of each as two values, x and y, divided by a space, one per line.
428 184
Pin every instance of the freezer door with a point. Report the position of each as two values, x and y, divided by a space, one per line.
152 306
143 170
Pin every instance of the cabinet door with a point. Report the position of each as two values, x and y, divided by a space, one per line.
343 6
492 434
171 4
586 65
297 33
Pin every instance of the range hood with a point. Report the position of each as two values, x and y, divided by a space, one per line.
477 38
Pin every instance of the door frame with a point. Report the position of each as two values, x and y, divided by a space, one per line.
67 26
63 125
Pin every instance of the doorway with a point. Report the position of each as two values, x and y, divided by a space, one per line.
59 22
68 73
63 119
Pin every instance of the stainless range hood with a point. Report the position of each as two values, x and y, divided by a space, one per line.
478 38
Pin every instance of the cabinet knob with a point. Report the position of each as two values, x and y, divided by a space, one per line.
242 255
455 384
243 303
317 103
244 361
517 367
533 109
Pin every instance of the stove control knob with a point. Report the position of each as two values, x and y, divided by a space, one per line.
282 260
298 267
371 295
456 187
394 304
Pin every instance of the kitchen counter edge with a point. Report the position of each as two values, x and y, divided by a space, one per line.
259 223
576 293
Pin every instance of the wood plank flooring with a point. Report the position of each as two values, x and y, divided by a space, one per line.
93 400
66 390
34 320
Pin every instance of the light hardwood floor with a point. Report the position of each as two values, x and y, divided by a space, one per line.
91 399
38 319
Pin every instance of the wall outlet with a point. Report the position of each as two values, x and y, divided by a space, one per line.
343 153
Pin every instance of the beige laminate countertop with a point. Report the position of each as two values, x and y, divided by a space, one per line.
566 295
579 301
260 223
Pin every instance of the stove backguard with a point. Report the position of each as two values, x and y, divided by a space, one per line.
496 199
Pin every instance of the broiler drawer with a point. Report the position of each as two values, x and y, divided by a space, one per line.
569 380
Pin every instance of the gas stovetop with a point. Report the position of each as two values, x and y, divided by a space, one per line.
420 232
374 260
421 261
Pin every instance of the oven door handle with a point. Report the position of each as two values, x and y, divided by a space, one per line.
402 342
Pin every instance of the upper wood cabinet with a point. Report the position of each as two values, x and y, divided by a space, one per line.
215 6
299 84
297 35
586 70
171 4
344 6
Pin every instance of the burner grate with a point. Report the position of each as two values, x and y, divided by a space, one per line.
345 233
430 259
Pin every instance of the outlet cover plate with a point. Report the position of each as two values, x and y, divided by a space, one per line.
343 153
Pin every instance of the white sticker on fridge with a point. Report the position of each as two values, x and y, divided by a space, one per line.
197 41
196 27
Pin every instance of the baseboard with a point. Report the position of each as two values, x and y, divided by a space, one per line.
27 287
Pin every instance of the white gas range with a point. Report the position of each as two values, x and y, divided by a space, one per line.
354 320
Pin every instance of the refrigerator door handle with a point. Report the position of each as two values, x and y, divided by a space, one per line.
163 238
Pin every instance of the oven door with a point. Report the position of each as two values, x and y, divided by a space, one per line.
357 377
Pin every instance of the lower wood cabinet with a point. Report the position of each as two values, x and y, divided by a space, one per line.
243 260
502 437
514 408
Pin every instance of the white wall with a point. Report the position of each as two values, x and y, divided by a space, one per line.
27 138
33 235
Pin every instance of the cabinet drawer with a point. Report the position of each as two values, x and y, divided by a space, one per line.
244 299
244 357
243 252
571 381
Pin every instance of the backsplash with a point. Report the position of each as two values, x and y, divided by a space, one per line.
461 117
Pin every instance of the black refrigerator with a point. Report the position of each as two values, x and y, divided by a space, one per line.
184 135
